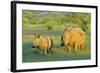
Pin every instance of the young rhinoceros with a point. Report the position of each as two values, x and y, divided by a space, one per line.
43 42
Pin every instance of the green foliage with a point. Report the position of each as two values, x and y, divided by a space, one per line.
81 19
52 19
28 18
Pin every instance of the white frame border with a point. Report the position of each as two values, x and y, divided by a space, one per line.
58 63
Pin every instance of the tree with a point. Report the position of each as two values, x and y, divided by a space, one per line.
28 17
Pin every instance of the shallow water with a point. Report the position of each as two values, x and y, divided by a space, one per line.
33 55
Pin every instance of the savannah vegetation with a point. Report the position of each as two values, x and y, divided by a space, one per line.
53 23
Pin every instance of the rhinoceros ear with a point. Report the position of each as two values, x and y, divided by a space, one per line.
36 35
